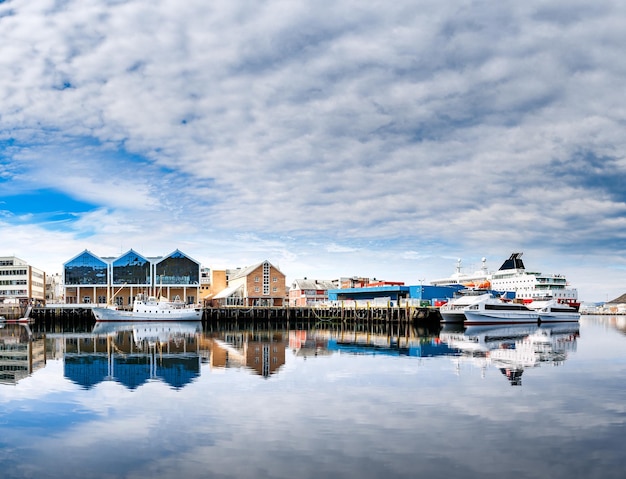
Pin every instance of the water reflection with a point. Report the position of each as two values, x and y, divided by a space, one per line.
21 354
133 354
367 402
512 348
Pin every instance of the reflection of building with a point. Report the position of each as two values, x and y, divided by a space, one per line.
132 356
259 285
262 352
21 282
91 279
265 357
380 341
302 343
20 354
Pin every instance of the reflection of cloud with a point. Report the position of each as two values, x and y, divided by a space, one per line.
341 416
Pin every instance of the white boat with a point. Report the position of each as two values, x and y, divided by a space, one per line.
512 276
150 309
454 310
496 310
551 310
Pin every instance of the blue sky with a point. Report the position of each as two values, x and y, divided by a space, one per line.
331 138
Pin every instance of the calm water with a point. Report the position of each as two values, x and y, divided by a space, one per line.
313 402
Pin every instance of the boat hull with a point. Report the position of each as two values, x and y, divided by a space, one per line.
183 314
452 316
559 317
500 317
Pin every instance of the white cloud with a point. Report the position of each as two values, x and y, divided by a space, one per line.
427 124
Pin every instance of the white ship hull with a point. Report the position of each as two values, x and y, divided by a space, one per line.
186 314
552 311
454 310
500 317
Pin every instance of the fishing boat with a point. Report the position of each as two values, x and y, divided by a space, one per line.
150 309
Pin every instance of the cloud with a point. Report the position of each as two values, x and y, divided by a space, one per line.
448 128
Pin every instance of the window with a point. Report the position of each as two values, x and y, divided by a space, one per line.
266 278
256 279
275 279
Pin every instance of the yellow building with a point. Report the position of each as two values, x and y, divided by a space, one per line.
260 285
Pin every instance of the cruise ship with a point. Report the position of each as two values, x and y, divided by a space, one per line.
512 276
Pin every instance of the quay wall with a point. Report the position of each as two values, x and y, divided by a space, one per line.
387 314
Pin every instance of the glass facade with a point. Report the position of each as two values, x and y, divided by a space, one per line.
132 269
86 269
177 269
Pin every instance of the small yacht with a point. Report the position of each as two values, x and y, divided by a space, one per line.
454 310
551 310
497 310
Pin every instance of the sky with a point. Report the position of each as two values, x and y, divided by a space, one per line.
332 138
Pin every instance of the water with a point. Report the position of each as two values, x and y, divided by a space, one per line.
319 402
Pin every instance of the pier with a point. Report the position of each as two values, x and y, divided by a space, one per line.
274 315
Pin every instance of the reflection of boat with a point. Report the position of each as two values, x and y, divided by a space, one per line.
454 310
513 348
151 332
490 310
150 309
551 310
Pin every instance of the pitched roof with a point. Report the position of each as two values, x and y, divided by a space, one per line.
250 269
317 284
225 293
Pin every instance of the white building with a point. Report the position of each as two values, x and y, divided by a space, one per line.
20 282
54 288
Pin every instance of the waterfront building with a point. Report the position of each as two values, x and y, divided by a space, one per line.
615 306
310 292
394 294
21 283
89 278
54 288
260 285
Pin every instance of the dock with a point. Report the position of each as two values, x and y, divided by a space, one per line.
274 315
